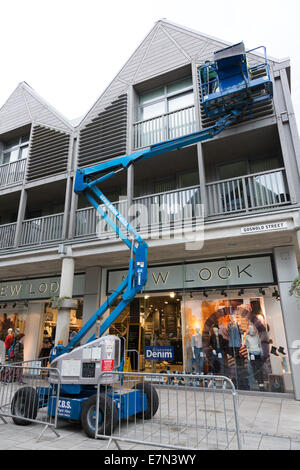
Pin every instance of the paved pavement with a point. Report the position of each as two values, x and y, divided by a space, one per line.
258 416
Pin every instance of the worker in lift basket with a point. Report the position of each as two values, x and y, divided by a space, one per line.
209 77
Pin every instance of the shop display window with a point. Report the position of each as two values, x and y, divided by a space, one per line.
49 326
12 316
241 338
238 334
152 320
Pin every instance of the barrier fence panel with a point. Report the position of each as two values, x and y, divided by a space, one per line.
170 411
25 395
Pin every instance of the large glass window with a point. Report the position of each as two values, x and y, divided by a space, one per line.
238 333
168 112
15 150
176 95
49 327
237 336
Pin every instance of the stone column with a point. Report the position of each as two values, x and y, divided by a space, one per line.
32 330
66 290
91 300
287 270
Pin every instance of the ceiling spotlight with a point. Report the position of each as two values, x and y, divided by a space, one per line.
172 295
223 293
261 291
241 292
205 293
146 296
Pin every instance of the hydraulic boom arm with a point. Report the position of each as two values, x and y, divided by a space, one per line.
137 273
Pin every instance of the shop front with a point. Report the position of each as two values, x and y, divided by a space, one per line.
27 305
216 317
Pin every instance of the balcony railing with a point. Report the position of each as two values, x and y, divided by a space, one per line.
7 235
160 212
89 223
167 210
164 127
41 230
12 173
248 193
148 213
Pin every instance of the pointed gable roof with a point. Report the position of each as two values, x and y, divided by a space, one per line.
166 47
25 106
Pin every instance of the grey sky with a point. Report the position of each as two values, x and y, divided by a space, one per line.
70 50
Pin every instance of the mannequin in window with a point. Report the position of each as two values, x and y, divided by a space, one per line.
216 341
255 354
189 351
198 353
235 334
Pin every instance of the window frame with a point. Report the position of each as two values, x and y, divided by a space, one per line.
164 98
18 146
248 162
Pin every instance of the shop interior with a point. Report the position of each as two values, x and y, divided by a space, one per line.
12 315
15 315
236 333
49 325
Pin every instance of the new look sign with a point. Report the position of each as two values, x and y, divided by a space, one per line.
159 353
212 273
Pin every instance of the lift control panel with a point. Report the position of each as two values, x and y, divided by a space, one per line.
84 364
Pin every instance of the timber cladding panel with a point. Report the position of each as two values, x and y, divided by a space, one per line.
49 152
105 136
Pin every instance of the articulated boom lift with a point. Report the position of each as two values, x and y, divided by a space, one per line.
228 89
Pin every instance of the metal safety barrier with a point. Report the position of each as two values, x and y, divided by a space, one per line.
170 411
25 396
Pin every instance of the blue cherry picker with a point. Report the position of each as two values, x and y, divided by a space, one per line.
229 90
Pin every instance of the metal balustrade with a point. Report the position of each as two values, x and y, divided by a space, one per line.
7 235
12 173
169 209
164 127
248 193
42 229
89 223
148 213
172 209
162 211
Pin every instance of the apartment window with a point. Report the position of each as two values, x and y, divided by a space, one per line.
165 113
15 149
172 97
232 170
246 167
188 179
265 164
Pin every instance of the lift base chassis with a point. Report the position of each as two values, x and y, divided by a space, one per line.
128 403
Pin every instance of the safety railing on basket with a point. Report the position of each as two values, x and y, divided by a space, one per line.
148 410
25 394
